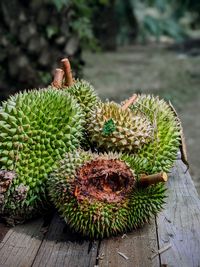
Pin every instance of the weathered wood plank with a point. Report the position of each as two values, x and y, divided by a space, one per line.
179 223
62 248
3 230
138 246
20 244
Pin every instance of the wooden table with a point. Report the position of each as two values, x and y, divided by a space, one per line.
171 239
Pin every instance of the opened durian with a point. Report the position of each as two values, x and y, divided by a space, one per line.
113 128
37 128
161 152
100 195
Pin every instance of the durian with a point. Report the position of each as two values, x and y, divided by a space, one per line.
85 95
81 90
161 152
37 128
113 128
99 194
87 98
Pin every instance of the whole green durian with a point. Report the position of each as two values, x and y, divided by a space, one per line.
85 95
161 152
37 128
87 98
111 128
99 195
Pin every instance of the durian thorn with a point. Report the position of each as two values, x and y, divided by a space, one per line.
58 78
129 102
146 180
68 72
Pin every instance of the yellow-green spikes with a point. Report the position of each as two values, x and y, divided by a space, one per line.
112 128
36 129
159 154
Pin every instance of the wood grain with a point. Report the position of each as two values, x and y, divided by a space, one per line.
176 228
63 248
138 246
179 223
20 244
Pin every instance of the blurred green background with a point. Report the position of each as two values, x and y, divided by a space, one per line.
121 47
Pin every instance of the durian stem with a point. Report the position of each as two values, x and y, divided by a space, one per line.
68 72
129 102
146 180
58 78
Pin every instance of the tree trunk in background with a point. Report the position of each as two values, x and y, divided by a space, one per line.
105 25
114 23
34 36
130 20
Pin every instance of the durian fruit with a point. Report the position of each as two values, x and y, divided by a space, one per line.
37 128
161 152
82 90
113 128
87 98
99 195
85 95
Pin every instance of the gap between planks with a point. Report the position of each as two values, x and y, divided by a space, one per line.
61 247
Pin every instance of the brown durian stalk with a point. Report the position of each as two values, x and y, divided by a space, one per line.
68 72
58 78
129 102
146 180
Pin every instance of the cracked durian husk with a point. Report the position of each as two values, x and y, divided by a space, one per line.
98 195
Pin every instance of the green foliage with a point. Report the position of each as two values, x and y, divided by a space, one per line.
157 18
81 23
60 3
150 18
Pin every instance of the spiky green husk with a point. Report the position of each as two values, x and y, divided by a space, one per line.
113 129
87 98
85 95
95 218
161 152
36 129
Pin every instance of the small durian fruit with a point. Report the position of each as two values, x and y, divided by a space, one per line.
159 154
114 128
81 90
84 94
99 195
37 128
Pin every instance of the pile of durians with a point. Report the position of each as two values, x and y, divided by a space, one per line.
103 165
